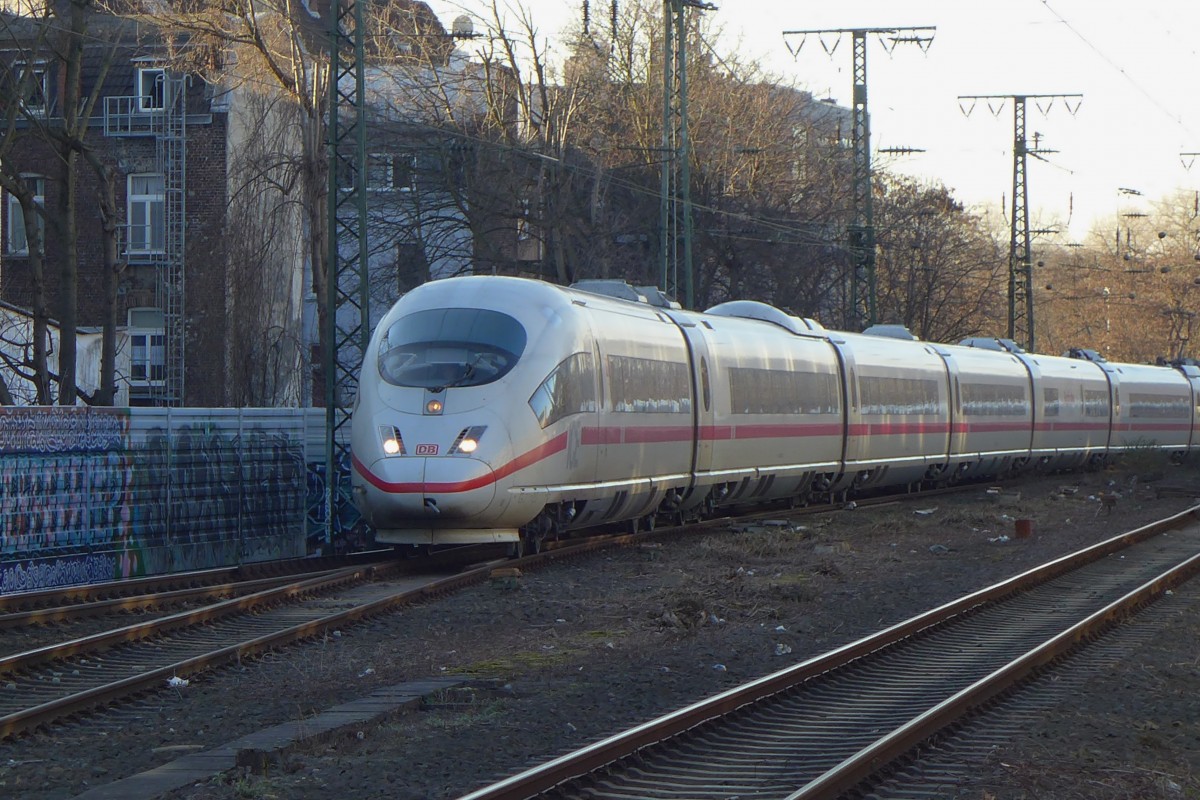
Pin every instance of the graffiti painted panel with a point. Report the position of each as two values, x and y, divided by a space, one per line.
90 494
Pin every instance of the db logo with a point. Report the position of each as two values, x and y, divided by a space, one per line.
427 449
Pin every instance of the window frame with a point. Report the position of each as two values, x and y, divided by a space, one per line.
153 372
14 220
160 89
390 172
149 245
41 86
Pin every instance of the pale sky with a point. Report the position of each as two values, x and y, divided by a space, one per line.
1136 63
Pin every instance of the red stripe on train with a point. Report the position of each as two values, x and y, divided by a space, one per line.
543 451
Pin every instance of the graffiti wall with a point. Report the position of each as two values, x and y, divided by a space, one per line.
93 494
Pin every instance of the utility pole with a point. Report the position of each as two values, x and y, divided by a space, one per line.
675 222
347 312
859 302
1020 255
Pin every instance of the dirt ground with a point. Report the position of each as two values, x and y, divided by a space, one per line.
571 653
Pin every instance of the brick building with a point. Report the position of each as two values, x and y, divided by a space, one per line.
194 312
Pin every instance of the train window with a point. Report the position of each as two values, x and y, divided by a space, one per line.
647 385
993 400
1158 406
889 394
570 389
446 347
1095 403
1050 404
754 390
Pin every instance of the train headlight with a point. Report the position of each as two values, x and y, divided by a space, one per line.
391 441
433 406
468 440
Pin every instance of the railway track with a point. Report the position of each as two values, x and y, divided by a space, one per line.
827 727
57 681
229 622
73 602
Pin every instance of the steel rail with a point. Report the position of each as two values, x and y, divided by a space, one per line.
588 759
151 628
141 602
862 765
46 713
89 592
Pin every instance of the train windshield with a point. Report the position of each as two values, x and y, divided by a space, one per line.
446 347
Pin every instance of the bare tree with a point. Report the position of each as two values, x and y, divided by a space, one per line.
272 57
56 125
1130 292
22 92
940 273
264 350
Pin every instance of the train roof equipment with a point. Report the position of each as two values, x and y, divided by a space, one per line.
891 332
1085 354
992 343
613 287
753 309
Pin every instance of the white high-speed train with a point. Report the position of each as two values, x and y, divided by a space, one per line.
505 409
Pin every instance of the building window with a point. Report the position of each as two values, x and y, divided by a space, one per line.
389 172
18 244
526 213
412 267
151 89
403 166
147 214
33 87
147 348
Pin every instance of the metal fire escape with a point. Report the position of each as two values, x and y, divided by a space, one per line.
131 117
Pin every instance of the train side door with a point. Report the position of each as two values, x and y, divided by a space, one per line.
955 432
701 366
1192 374
854 439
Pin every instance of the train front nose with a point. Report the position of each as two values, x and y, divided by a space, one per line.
426 491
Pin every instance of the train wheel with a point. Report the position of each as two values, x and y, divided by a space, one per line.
411 550
530 544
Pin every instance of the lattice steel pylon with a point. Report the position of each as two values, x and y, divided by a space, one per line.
1020 259
862 228
347 320
858 303
675 222
1020 252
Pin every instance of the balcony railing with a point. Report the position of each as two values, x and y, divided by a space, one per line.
128 116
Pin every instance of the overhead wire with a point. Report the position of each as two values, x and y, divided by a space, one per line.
1112 63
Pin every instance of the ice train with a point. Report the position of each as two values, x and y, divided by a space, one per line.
505 409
